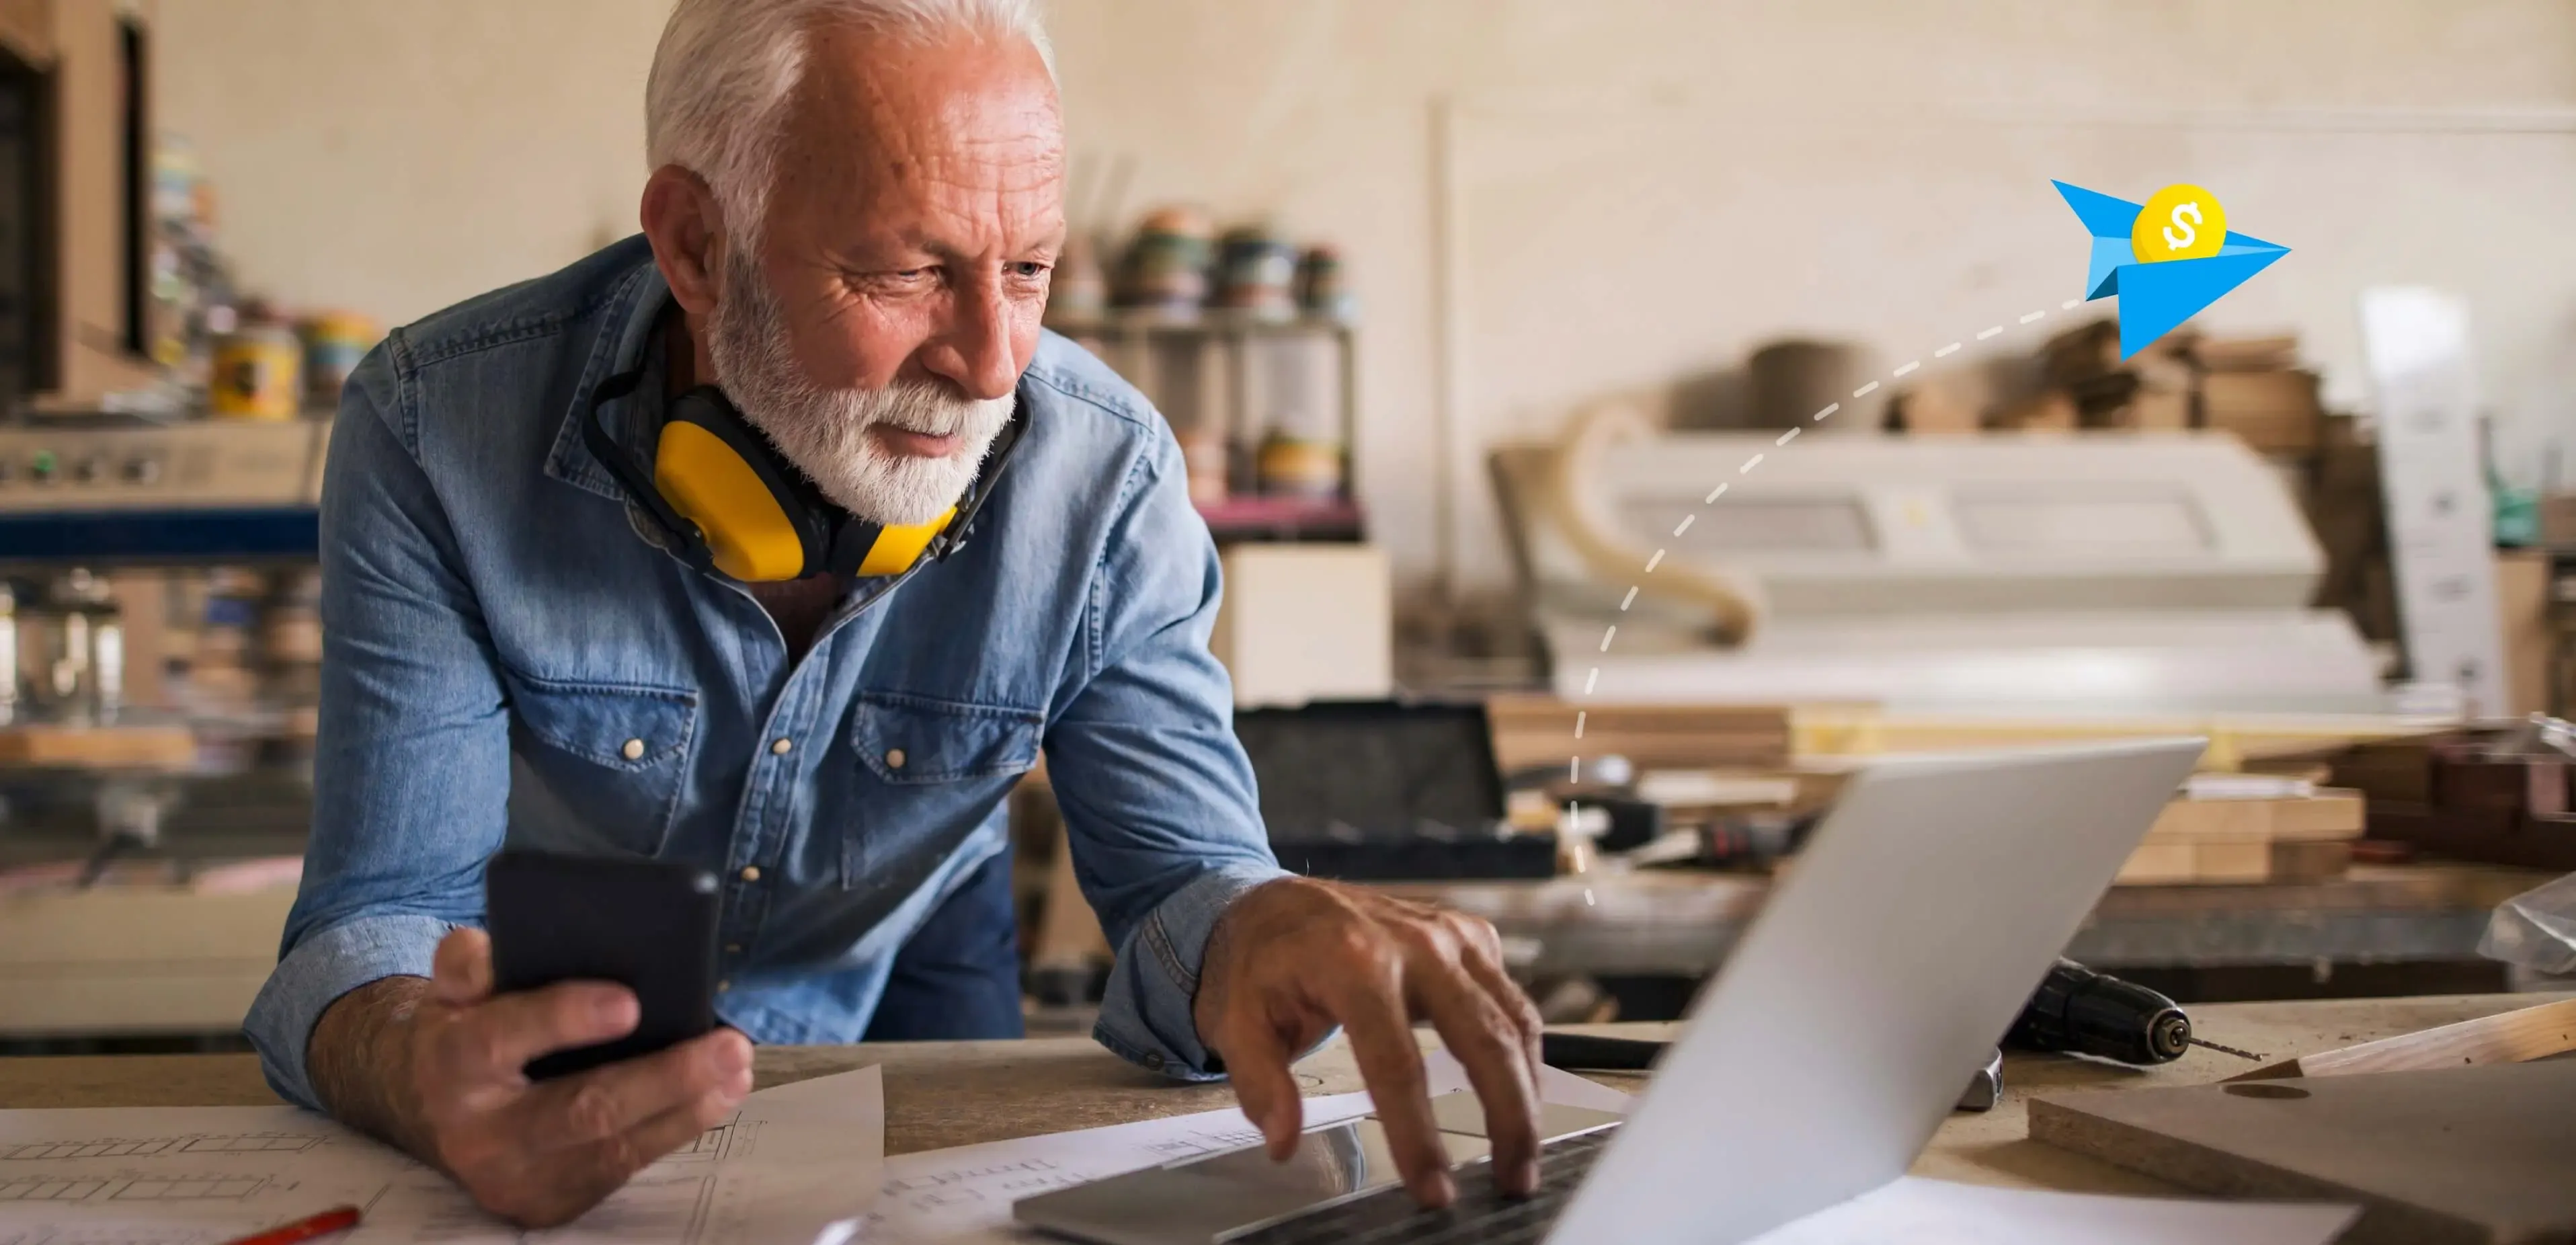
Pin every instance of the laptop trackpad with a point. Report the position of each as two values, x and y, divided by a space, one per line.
1460 1113
1198 1199
1329 1163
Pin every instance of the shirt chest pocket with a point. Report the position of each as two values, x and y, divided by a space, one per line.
928 772
597 764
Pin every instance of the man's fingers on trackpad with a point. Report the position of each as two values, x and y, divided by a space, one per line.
1489 1047
1391 1065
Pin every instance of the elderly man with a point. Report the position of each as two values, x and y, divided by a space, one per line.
847 238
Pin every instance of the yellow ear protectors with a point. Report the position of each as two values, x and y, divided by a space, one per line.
732 506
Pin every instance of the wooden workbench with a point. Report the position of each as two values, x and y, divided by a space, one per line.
942 1094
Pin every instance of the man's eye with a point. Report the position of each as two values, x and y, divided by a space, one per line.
1029 270
910 274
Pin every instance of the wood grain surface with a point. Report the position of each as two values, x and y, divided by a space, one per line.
2481 1155
942 1094
2524 1033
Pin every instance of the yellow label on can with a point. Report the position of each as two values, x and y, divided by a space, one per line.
257 376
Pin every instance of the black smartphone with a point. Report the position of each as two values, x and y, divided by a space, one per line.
648 925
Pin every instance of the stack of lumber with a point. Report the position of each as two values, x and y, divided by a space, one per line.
2303 836
2480 794
2255 388
1533 731
2250 386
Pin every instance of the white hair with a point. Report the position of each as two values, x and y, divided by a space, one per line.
717 98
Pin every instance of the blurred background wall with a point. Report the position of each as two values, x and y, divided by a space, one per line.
1518 186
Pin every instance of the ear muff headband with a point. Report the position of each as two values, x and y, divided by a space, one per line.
730 505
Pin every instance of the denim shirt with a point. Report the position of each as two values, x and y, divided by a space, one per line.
507 658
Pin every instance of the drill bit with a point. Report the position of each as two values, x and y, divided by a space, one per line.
2228 1050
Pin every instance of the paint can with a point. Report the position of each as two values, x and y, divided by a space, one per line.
258 373
1167 266
334 341
1257 273
1322 289
1291 466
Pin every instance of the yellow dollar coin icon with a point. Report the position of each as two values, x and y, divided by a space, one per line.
2181 221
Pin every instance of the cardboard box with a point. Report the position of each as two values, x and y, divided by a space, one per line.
2246 354
2053 411
1306 622
2273 412
1939 405
2152 410
2084 352
2522 603
2558 519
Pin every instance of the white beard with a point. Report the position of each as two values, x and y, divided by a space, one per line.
824 432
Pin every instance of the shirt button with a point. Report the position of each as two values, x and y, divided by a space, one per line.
723 986
781 746
751 873
733 948
894 758
634 750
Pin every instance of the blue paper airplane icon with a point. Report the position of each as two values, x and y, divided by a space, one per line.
2156 297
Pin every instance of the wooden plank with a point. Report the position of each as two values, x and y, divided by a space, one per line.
2462 1156
2507 1037
98 747
2239 861
2232 861
2332 813
2157 864
2329 814
133 959
1532 731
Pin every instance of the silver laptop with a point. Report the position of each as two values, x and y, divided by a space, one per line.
1906 937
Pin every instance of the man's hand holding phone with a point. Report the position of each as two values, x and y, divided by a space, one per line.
541 1152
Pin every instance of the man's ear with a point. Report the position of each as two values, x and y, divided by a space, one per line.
686 228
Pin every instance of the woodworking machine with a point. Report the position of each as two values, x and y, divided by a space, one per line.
2062 574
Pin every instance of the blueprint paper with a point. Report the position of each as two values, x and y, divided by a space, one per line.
775 1171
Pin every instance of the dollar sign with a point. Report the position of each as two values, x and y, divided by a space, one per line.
2189 235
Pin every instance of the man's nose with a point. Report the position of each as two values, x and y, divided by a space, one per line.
973 349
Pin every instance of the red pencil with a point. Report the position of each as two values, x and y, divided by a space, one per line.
323 1224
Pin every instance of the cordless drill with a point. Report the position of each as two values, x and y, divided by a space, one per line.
2079 1010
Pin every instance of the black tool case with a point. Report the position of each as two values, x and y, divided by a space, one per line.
1385 791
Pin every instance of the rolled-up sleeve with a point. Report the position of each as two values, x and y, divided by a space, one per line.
1158 799
411 768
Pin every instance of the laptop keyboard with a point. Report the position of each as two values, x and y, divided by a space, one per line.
1481 1213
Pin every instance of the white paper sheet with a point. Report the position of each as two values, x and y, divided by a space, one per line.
1943 1212
779 1170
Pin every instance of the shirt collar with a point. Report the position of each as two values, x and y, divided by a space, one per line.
626 334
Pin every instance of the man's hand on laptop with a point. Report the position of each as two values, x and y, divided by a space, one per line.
1294 957
446 1083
